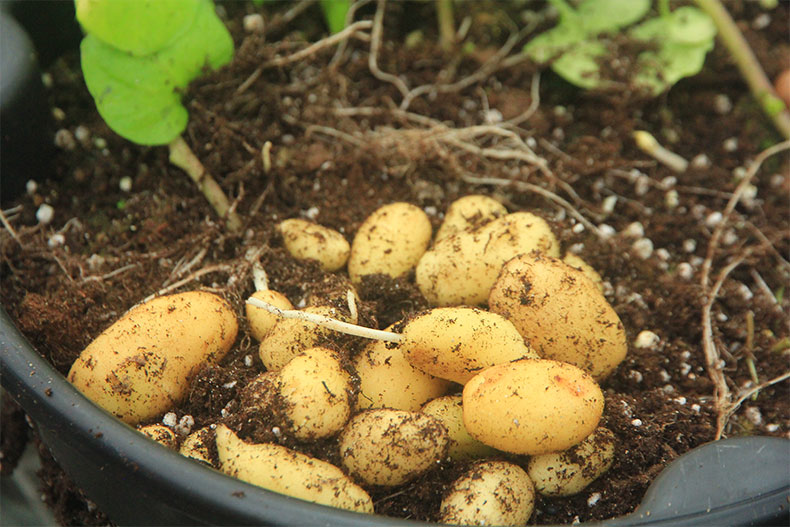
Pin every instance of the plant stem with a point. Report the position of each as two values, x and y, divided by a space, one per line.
444 13
183 157
663 8
747 63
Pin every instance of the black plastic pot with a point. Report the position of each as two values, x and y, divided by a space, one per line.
741 481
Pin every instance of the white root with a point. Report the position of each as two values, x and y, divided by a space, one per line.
327 322
649 145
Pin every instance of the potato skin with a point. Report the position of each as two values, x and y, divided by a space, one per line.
469 213
489 493
388 380
286 471
306 240
260 320
390 241
532 406
456 343
142 364
577 262
449 411
560 313
159 433
390 447
198 445
570 472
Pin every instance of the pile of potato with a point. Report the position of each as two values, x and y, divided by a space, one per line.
486 387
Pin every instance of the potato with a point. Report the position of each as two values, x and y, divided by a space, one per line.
142 365
576 262
388 380
569 472
289 337
286 471
315 390
469 213
560 313
456 343
306 240
197 445
532 406
489 493
462 268
159 433
390 241
260 320
390 447
449 411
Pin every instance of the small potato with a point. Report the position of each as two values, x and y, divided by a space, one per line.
390 447
462 268
560 313
489 493
289 337
456 343
142 365
569 472
198 445
449 411
532 406
306 240
388 380
286 471
390 241
315 390
469 213
577 263
159 433
260 320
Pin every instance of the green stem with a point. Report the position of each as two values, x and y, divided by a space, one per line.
663 8
183 157
750 68
565 11
444 13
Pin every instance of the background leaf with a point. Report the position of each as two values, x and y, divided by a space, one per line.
335 12
580 65
603 16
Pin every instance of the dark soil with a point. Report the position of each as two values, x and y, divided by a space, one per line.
340 149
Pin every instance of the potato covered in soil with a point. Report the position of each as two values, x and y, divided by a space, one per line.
569 472
456 343
286 471
306 240
260 320
561 313
390 241
449 411
198 445
532 406
390 447
388 380
315 391
159 433
469 213
489 493
462 268
142 365
577 262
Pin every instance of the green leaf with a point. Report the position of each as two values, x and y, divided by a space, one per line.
603 16
335 12
691 26
552 43
139 97
581 65
139 27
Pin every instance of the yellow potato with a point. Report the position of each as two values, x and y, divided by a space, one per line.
532 406
142 365
560 313
197 445
306 240
489 493
388 380
390 241
260 320
289 338
577 263
456 343
159 433
391 447
569 472
469 213
315 390
449 411
286 471
462 268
